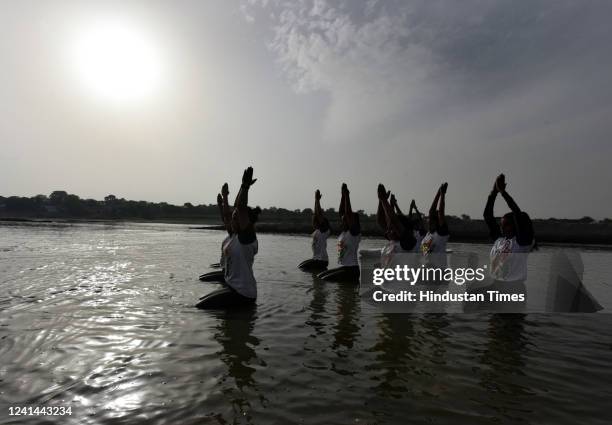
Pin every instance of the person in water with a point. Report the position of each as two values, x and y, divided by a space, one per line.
226 217
239 253
398 232
414 220
225 212
513 239
319 260
348 243
433 245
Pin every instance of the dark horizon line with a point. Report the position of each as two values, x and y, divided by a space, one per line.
63 193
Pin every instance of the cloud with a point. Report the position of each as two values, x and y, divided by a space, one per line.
458 90
395 62
363 60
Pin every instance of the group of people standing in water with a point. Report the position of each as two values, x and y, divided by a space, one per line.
404 233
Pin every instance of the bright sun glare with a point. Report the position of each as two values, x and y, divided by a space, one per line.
116 61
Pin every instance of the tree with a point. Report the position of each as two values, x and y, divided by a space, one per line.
73 205
19 204
58 197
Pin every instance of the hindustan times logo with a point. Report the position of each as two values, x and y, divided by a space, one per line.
423 274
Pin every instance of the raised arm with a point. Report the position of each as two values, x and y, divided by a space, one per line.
318 216
413 209
441 204
381 219
523 227
392 220
500 186
511 204
220 205
396 207
341 207
242 199
489 217
226 211
434 205
395 217
415 218
347 211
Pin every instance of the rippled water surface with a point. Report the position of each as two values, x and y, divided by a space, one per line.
100 317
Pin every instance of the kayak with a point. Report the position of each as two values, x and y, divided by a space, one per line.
313 266
224 298
216 276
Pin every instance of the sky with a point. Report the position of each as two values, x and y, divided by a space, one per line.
166 101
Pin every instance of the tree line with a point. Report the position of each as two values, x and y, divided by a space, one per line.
60 204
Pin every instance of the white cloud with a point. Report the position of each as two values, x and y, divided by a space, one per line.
391 66
370 68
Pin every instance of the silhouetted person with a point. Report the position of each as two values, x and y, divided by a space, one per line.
513 239
226 216
239 253
348 244
399 233
319 260
433 244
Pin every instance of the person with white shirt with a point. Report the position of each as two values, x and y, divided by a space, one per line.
433 244
414 220
348 244
398 232
513 239
239 253
320 259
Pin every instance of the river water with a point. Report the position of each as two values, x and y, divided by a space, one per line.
100 317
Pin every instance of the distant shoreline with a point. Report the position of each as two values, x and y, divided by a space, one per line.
564 234
62 207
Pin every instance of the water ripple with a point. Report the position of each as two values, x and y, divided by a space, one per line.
101 318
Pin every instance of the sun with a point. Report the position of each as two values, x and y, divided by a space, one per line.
116 61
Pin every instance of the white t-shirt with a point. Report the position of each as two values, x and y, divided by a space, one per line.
239 266
222 261
319 245
387 253
433 243
433 247
347 249
508 260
